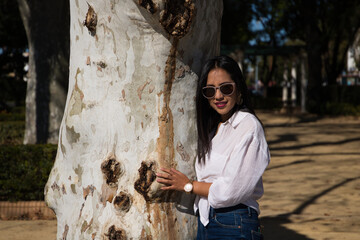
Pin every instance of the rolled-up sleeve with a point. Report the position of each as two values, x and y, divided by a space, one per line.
243 171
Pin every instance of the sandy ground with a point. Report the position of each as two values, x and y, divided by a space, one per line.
312 186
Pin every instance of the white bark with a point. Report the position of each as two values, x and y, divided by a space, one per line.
356 47
130 109
285 87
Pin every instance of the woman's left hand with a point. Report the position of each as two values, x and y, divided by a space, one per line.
172 179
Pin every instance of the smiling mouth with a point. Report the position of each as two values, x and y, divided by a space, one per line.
220 104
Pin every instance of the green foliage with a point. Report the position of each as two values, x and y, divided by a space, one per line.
13 42
12 32
234 25
337 109
269 103
341 94
24 170
337 100
328 28
12 132
12 126
11 88
270 15
6 117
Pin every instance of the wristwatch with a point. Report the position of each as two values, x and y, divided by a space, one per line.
188 187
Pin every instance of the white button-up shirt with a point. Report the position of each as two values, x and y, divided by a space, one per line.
238 158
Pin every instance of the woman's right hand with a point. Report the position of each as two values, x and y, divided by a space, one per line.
172 179
176 180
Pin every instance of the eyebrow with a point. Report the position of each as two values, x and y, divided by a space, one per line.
219 85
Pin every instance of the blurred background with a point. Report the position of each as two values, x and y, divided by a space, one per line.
300 59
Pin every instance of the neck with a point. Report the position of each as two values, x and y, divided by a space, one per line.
226 117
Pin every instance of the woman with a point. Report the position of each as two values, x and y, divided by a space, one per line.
232 155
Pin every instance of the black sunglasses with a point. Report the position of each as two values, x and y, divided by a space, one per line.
226 89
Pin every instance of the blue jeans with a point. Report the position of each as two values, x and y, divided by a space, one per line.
239 222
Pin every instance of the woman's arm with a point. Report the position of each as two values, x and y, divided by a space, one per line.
175 180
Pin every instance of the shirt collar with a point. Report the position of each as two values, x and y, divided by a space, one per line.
235 119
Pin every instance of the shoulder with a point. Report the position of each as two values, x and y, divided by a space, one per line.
247 123
252 133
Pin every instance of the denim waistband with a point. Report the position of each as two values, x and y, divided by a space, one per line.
239 208
229 209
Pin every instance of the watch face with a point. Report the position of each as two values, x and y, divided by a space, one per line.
188 187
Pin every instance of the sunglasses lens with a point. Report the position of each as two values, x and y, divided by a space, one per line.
208 92
227 89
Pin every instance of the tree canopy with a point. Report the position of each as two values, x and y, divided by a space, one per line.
12 44
326 28
329 24
12 32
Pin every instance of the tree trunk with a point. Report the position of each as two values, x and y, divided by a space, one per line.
47 28
315 78
314 47
270 70
356 48
130 110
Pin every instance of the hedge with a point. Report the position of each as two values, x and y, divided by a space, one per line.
24 170
337 100
12 126
12 132
6 117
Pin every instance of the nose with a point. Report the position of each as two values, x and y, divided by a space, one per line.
218 94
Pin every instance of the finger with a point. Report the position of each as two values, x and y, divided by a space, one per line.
178 174
168 171
167 188
174 171
162 175
164 181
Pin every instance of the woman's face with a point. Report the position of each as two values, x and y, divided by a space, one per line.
222 104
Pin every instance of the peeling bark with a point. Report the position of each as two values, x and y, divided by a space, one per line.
149 5
115 234
147 176
64 235
122 202
111 169
91 20
130 110
177 16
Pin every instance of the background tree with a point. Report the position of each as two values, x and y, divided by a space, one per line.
130 110
235 22
12 45
328 28
269 14
47 28
356 47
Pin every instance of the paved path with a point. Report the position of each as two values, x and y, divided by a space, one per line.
28 230
312 186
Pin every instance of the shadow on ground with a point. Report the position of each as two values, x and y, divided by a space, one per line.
315 144
273 228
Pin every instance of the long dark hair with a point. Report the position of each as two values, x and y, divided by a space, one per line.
207 118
